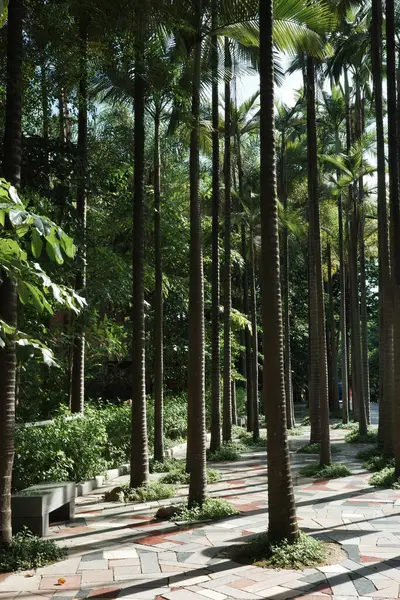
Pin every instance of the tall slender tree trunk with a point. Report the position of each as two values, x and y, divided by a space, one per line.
333 390
215 275
234 405
282 523
158 302
227 390
285 295
394 217
78 352
317 289
363 310
8 288
139 447
385 345
196 391
343 319
254 339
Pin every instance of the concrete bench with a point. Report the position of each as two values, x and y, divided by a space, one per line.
33 506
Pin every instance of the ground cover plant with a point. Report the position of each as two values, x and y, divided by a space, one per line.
28 551
213 509
332 471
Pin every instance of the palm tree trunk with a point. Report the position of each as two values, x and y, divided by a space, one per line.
196 392
317 288
385 347
158 302
343 319
234 406
215 283
139 448
282 523
227 389
8 288
254 340
285 295
333 390
394 216
78 352
363 311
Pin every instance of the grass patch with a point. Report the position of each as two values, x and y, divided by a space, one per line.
27 551
229 451
305 552
354 437
295 431
212 509
333 471
351 425
178 475
386 478
314 449
154 490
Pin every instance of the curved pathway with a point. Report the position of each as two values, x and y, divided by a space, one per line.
118 551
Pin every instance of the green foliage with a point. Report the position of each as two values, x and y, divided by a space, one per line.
77 448
304 552
333 471
314 449
177 473
355 437
148 493
351 425
175 416
212 509
28 551
306 421
229 451
368 453
295 431
378 462
386 478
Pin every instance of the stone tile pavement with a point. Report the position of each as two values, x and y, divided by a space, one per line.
119 551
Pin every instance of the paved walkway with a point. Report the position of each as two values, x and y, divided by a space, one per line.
118 551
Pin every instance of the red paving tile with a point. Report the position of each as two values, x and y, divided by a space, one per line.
370 559
323 588
3 576
77 530
110 593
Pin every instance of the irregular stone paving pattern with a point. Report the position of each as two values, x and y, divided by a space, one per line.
118 551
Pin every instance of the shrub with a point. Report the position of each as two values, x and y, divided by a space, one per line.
177 474
148 493
333 471
295 431
314 449
63 450
246 439
28 551
355 437
306 421
368 453
386 478
350 425
211 509
164 467
227 452
305 552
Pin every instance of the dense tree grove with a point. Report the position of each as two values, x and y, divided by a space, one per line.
171 244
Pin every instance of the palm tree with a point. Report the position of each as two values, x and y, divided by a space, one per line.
394 211
317 310
139 447
385 330
215 442
196 392
158 299
254 337
78 352
8 291
281 507
227 278
333 355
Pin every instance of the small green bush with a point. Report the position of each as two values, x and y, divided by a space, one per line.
229 451
351 425
28 551
295 431
314 449
306 421
305 552
246 439
354 437
368 453
211 509
148 493
386 478
177 474
333 471
168 465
